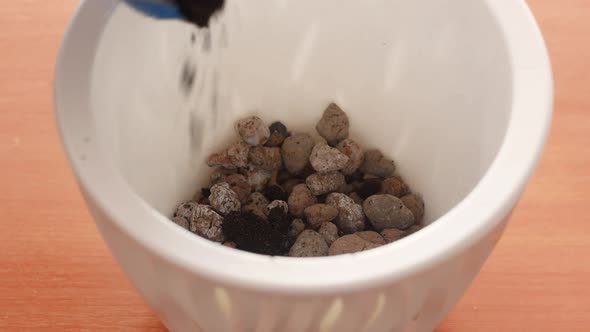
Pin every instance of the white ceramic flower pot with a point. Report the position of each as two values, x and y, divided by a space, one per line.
458 92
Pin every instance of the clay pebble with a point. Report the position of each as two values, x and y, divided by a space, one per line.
349 244
376 164
387 211
350 217
309 244
334 124
300 198
295 152
318 214
253 130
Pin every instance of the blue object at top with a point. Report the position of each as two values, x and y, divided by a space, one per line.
157 9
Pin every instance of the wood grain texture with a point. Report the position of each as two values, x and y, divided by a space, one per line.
57 275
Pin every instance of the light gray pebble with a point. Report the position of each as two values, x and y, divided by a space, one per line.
207 223
325 158
278 203
355 155
329 231
334 124
320 213
350 217
349 244
387 211
223 199
323 183
295 151
309 244
253 130
235 156
376 164
297 226
267 158
300 198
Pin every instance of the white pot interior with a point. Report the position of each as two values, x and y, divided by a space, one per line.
427 82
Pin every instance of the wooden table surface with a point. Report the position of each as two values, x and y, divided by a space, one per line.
57 275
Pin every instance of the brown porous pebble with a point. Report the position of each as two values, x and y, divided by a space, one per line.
278 204
387 211
320 213
240 185
372 237
329 231
415 203
355 155
323 183
266 158
325 158
376 164
349 244
350 217
334 124
297 226
394 186
253 130
278 133
231 158
223 199
392 234
207 223
309 244
300 198
181 221
295 151
257 177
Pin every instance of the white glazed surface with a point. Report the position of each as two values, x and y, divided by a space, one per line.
458 92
